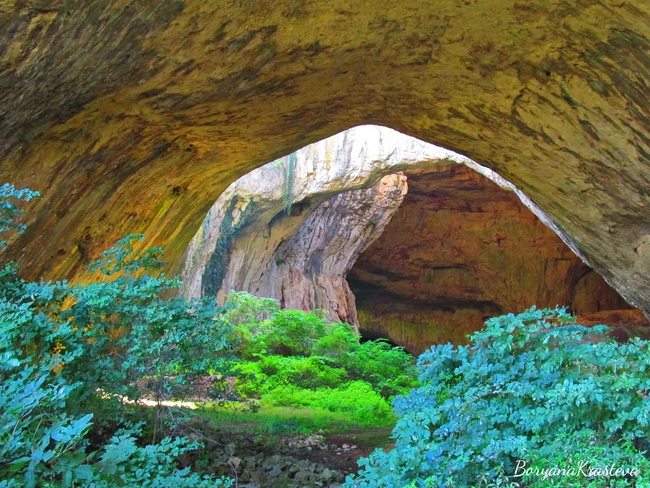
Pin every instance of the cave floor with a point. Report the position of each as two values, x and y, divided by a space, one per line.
279 447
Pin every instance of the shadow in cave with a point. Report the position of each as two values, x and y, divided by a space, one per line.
367 336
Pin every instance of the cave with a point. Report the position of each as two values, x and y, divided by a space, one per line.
404 240
136 119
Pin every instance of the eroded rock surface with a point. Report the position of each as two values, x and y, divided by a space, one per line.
133 117
462 247
623 324
308 269
459 250
292 229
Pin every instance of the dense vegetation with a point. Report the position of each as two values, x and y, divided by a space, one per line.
533 388
74 359
289 358
70 355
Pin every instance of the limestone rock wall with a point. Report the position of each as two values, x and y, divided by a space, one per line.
307 269
135 116
292 229
462 246
461 249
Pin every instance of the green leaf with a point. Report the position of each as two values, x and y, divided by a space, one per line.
83 472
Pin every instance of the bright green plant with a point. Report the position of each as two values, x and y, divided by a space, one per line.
261 327
269 372
262 331
291 333
301 360
265 333
532 388
389 369
249 313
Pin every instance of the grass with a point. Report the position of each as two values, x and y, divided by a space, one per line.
280 420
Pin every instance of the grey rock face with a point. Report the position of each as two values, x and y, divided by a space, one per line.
292 229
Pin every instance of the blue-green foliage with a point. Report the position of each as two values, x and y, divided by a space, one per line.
60 357
67 350
8 209
532 387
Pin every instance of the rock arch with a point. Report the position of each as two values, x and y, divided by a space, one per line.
292 229
332 226
133 117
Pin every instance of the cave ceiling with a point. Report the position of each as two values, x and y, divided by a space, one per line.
134 116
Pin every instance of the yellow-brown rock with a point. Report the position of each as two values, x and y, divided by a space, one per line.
461 249
623 324
134 116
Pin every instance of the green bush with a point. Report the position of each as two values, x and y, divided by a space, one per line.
390 370
261 327
118 329
338 340
9 210
317 353
301 360
249 314
57 360
273 371
68 352
533 388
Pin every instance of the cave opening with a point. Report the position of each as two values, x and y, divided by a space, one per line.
406 241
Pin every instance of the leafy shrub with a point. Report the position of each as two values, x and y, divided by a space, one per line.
38 439
118 329
333 349
49 371
259 377
301 360
532 387
65 350
9 211
124 463
261 327
390 370
249 314
336 342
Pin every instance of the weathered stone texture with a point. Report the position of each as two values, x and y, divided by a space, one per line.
134 116
307 270
461 249
292 229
